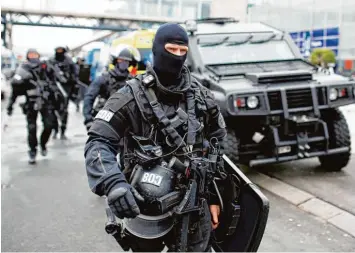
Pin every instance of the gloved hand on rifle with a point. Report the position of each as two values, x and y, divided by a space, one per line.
122 200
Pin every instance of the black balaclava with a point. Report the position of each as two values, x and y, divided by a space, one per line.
122 66
118 73
60 56
167 65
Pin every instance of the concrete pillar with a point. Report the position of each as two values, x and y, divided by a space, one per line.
9 32
230 8
138 7
159 8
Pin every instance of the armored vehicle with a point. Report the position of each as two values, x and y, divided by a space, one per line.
277 106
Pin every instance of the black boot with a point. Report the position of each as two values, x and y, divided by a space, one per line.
44 151
62 135
55 134
32 156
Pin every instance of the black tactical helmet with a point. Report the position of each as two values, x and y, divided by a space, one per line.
32 50
153 184
156 185
123 54
61 47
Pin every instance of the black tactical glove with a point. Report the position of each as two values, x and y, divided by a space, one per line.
9 111
121 200
88 125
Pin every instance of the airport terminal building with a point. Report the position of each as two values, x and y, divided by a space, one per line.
313 24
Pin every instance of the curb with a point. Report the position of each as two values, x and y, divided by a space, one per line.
307 202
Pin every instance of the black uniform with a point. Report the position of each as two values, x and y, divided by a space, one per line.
103 87
132 112
84 78
35 81
69 72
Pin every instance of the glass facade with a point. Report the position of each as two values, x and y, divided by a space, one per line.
154 8
184 9
329 23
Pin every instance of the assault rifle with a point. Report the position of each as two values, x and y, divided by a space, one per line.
200 174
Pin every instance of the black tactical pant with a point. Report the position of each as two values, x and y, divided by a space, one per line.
62 107
63 118
47 119
199 238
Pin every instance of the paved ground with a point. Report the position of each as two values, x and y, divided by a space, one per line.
49 207
337 187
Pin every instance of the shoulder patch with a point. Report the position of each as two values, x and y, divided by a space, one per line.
17 77
104 115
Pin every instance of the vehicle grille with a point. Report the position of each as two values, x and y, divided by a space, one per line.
295 99
299 98
275 100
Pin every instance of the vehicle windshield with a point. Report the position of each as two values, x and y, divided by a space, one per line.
242 48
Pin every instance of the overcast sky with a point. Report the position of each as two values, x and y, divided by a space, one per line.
46 38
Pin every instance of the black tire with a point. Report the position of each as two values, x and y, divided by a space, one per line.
231 146
339 136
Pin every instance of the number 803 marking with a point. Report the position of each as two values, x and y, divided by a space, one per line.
152 178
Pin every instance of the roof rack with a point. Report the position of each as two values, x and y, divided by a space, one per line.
219 21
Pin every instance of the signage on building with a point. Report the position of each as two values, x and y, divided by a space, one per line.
318 38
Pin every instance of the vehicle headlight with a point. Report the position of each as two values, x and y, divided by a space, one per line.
333 94
252 102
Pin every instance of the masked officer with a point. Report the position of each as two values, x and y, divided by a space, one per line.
34 79
145 109
107 84
69 79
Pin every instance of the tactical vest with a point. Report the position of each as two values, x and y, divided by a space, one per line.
64 66
110 87
39 90
152 112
